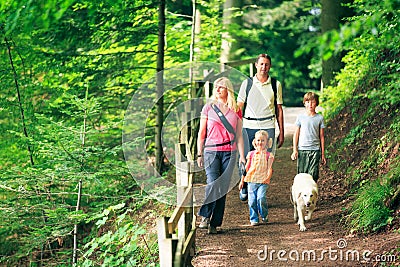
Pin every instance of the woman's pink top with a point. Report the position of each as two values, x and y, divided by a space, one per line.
216 131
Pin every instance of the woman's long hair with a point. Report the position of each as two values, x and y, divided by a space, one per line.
231 94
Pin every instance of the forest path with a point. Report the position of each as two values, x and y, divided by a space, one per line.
279 243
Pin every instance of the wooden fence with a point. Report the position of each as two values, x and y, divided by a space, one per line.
176 234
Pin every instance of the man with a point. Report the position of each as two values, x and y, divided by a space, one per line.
259 111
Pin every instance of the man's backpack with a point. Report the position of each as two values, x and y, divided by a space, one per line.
274 88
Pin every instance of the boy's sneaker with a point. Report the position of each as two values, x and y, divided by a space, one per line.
212 230
254 223
265 220
205 222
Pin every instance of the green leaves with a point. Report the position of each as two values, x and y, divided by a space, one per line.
368 212
31 14
124 244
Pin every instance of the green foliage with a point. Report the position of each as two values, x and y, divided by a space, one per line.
279 29
354 135
209 39
77 66
336 98
379 152
368 212
372 208
31 13
122 242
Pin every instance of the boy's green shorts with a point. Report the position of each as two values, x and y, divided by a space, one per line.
308 162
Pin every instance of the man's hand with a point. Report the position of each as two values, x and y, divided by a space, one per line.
281 139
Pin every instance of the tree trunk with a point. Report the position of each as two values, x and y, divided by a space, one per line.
330 19
20 105
230 43
160 87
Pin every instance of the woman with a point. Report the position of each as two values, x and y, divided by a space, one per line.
217 148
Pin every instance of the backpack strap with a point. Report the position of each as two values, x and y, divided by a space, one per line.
248 87
251 156
275 89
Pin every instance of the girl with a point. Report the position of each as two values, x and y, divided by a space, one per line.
258 176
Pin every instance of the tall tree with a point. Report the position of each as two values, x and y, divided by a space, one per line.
160 86
330 21
231 46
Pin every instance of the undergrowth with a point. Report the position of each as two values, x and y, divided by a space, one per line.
368 212
125 236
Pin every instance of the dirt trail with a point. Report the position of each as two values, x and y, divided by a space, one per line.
279 243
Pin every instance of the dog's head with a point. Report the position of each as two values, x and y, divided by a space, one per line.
309 198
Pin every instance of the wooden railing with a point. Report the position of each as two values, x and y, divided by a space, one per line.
176 234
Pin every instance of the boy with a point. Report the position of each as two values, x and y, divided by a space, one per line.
308 138
258 175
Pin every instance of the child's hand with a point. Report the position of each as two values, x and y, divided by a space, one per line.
294 156
323 160
269 176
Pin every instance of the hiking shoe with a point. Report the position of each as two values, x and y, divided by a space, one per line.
212 230
254 223
265 220
205 222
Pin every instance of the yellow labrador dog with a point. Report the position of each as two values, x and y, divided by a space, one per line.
304 198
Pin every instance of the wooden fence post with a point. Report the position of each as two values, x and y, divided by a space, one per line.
166 244
186 224
182 182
